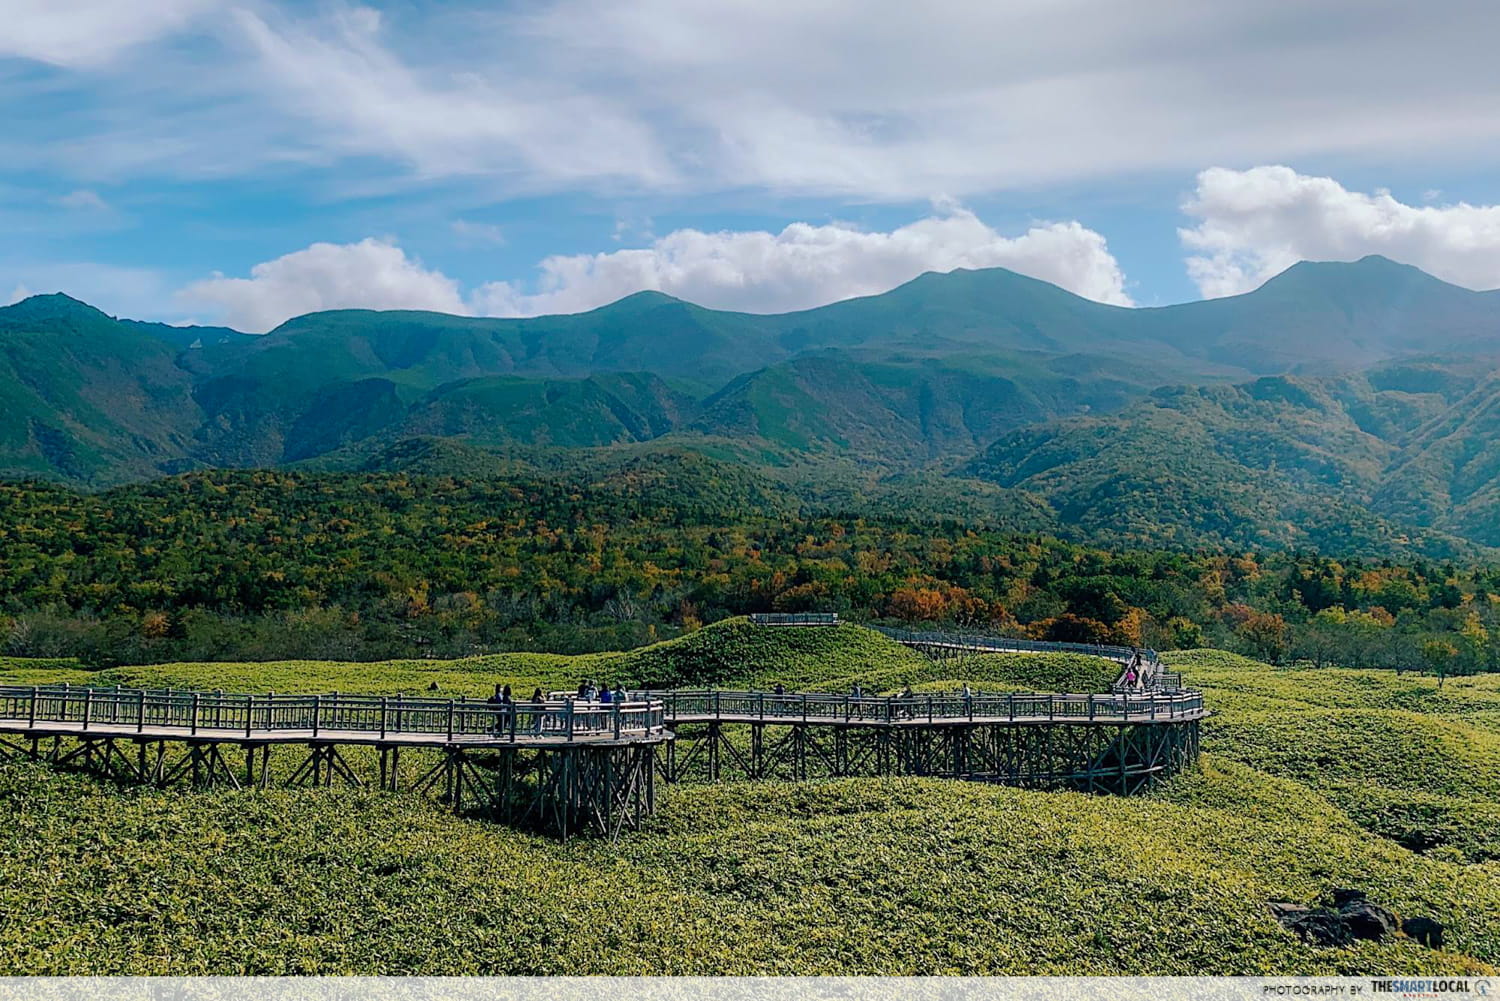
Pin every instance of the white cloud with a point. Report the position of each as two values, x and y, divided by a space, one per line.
806 265
86 33
18 293
799 267
1253 224
777 95
370 274
340 75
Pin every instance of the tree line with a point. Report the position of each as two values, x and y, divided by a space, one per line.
254 565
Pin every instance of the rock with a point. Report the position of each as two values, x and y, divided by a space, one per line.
1283 910
1319 926
1366 920
1425 930
1344 896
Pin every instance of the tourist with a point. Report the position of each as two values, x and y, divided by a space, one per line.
583 690
537 713
604 695
780 689
619 694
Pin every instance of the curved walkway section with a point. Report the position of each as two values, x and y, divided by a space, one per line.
928 710
1152 674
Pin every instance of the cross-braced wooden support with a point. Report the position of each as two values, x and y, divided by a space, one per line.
1120 759
568 789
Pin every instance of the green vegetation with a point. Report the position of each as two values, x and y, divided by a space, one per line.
237 566
1105 425
1314 780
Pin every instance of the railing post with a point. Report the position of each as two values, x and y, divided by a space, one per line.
31 717
317 713
569 717
616 708
717 704
140 712
249 713
760 705
382 716
929 707
515 714
1010 699
1091 705
194 727
804 707
450 720
88 706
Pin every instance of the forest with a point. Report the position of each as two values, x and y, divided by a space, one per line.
265 565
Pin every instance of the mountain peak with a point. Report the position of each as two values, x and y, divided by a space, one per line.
1368 274
56 306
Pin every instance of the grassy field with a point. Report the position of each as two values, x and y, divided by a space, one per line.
1312 780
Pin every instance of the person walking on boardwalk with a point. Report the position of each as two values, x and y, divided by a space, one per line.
504 706
619 694
537 713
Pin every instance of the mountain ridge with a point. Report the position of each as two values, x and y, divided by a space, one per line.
970 373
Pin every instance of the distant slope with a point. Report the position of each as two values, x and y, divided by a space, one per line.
1279 462
1050 398
86 399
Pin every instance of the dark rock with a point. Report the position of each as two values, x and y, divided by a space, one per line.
1425 930
1367 921
1344 896
1320 926
1284 909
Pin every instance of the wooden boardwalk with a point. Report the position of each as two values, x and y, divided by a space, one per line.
566 766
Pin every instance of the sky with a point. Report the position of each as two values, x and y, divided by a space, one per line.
245 162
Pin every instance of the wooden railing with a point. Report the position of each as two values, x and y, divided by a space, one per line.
324 715
794 619
1153 676
695 706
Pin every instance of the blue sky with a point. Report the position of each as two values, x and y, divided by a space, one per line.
244 162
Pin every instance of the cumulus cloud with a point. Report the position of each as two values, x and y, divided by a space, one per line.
85 33
370 274
806 265
1253 224
799 267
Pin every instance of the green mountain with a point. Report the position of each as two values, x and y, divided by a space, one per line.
1283 461
1373 422
86 399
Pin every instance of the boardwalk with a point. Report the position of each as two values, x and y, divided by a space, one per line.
566 766
1153 675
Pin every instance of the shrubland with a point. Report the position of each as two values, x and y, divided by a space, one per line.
1312 780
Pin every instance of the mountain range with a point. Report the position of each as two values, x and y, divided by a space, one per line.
1340 404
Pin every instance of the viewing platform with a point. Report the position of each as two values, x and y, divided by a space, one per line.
566 765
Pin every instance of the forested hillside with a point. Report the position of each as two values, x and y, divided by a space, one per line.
254 565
